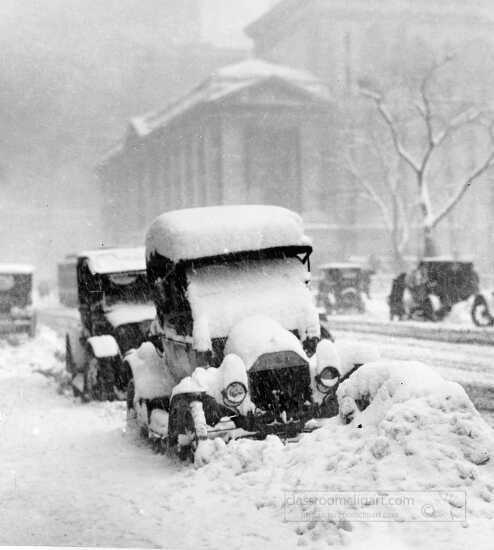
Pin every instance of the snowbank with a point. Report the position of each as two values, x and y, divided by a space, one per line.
20 355
222 295
216 230
421 434
355 353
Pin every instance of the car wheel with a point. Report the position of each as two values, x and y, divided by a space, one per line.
480 313
99 383
131 412
32 328
69 360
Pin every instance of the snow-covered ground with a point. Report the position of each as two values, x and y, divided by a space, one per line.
71 475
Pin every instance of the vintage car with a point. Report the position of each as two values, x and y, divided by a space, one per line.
16 308
431 290
341 287
236 349
116 312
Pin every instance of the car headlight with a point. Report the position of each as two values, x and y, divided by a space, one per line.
234 394
327 379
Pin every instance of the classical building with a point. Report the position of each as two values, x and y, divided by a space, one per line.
353 43
252 132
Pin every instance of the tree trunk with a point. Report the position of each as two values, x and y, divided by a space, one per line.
430 247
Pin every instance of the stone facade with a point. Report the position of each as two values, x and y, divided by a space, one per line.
251 133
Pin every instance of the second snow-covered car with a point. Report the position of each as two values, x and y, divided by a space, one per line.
115 312
233 350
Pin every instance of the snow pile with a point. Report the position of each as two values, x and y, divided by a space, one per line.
256 335
382 384
353 353
419 433
22 356
222 295
216 230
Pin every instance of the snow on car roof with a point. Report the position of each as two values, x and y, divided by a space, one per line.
13 269
115 260
215 230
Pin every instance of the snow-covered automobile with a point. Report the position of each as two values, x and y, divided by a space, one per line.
16 309
116 312
341 287
430 291
236 349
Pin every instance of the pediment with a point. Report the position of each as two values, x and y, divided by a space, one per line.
273 92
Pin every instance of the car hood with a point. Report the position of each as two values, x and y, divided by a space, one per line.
123 314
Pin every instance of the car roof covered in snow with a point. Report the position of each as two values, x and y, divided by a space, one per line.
216 230
115 260
14 269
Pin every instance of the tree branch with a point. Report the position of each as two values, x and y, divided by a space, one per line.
371 192
388 119
462 189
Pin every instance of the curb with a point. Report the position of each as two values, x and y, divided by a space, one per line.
410 329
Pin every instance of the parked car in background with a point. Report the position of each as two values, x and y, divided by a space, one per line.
429 291
16 304
341 287
115 315
67 280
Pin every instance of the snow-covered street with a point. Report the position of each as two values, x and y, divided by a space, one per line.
77 478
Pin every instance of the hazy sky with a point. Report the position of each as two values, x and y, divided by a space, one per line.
223 20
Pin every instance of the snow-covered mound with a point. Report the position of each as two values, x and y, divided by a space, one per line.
419 433
20 355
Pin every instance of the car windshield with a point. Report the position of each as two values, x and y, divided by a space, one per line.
15 290
125 287
220 295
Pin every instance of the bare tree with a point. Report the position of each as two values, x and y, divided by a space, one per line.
437 128
383 187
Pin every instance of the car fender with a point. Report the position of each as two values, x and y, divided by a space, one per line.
77 349
104 346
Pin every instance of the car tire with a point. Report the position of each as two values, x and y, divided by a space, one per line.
481 316
97 385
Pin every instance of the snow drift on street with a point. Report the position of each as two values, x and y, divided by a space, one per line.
419 433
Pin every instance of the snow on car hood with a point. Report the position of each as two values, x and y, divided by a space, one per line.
256 335
222 295
122 314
